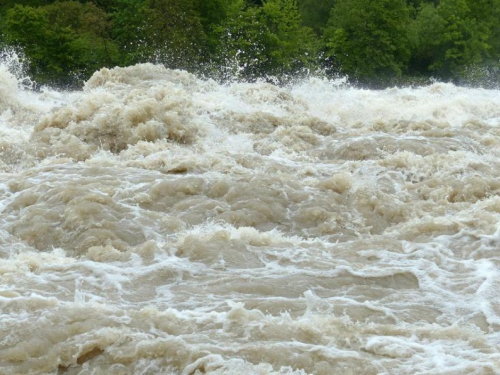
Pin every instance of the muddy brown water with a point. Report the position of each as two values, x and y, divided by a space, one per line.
157 223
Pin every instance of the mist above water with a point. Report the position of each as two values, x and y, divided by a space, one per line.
154 222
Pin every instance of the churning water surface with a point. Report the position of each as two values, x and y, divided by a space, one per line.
157 223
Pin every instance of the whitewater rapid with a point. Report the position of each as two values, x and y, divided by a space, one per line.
158 223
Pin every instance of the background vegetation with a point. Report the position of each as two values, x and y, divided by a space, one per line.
374 42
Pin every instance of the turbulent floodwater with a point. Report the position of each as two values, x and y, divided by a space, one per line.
156 223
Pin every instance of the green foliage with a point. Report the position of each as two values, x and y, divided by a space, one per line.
174 29
426 31
214 16
369 39
213 12
32 3
464 40
64 41
455 36
315 13
270 40
373 41
128 30
294 44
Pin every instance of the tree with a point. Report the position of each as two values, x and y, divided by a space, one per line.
214 16
270 40
464 40
427 31
368 39
294 43
174 28
456 35
64 41
315 13
129 25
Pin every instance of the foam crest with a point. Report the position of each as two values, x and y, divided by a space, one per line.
8 85
121 107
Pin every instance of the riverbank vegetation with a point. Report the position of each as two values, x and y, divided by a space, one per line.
373 42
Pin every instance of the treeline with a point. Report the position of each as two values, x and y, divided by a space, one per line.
374 42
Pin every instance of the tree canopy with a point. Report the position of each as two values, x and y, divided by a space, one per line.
369 38
374 42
